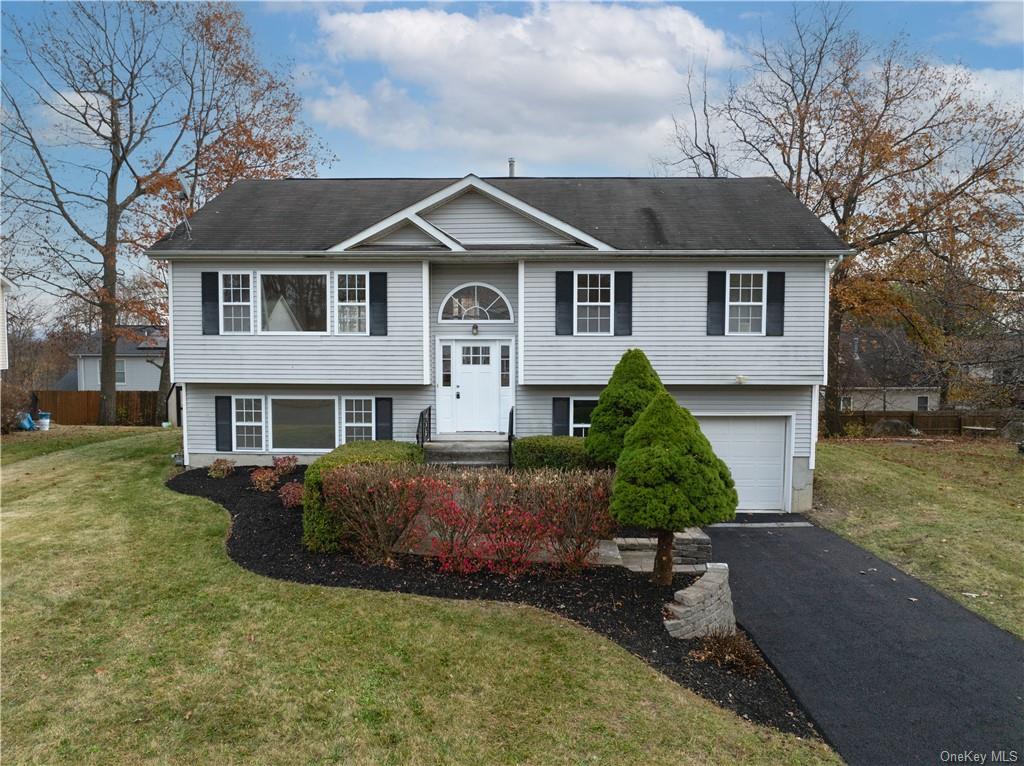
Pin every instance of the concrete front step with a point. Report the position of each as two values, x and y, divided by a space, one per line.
468 453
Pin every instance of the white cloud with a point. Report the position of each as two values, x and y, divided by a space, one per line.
1001 23
563 83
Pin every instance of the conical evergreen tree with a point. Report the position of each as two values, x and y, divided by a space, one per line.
668 478
630 389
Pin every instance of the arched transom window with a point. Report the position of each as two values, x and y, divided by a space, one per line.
475 303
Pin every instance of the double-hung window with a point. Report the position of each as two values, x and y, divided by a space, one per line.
745 303
593 303
247 429
235 303
120 372
580 411
358 422
293 303
353 304
922 404
846 403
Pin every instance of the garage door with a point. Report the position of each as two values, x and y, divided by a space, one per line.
755 450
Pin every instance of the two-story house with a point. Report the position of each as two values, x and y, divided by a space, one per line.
308 313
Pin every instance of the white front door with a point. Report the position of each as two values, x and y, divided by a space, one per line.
477 391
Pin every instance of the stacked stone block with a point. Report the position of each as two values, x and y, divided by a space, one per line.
704 608
691 546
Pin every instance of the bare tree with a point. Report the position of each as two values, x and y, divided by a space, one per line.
106 105
878 142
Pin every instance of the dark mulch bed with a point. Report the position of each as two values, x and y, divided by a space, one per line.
621 605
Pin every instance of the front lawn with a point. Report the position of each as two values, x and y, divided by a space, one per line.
949 512
129 637
22 445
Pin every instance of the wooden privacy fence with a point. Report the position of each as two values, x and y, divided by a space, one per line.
82 408
935 423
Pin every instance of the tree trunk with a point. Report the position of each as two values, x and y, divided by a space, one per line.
663 559
165 380
108 297
833 421
108 363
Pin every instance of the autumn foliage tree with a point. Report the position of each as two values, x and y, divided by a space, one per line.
887 147
111 111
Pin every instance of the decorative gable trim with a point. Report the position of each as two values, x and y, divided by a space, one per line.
412 214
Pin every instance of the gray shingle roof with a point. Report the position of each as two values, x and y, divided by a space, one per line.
135 340
627 213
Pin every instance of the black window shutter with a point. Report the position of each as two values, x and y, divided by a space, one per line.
382 415
222 417
775 308
563 303
716 303
211 304
560 416
378 303
623 302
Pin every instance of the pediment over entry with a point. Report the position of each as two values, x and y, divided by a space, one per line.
468 214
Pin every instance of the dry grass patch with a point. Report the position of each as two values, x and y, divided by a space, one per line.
949 512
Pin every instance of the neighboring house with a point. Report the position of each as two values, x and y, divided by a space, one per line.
140 355
883 371
6 286
309 313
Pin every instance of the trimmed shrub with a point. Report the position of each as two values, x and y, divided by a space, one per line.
291 494
220 468
630 389
263 479
319 530
566 453
576 512
668 478
285 465
375 506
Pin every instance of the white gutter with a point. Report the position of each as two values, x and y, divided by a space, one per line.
478 255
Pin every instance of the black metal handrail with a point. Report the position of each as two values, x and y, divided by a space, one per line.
423 427
511 433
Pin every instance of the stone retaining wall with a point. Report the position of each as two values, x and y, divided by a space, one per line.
704 608
691 546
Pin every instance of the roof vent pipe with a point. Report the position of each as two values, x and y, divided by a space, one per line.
511 167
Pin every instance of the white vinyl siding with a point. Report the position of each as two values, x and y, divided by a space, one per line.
407 402
303 358
670 325
140 373
474 219
533 405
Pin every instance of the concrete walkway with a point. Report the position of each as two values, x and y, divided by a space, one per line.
892 671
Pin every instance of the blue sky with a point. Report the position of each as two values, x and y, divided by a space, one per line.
417 89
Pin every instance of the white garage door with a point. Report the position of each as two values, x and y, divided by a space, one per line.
755 450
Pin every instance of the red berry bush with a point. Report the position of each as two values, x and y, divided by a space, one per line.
291 494
263 479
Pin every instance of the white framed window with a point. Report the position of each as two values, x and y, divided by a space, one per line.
592 302
475 302
744 301
922 404
120 372
247 423
506 365
446 365
353 303
303 423
846 403
358 424
235 303
580 411
293 303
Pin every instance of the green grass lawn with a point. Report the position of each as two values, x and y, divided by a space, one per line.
948 512
130 637
22 445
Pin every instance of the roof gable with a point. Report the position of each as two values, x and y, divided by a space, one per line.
405 235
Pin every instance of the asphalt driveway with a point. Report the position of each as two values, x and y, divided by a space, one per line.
892 671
